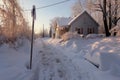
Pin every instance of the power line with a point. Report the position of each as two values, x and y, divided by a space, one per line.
49 5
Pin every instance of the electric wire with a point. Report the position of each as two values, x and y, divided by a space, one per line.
57 3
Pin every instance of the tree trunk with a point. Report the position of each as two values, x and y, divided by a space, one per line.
110 16
50 32
116 14
105 18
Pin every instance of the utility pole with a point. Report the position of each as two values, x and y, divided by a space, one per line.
43 30
33 13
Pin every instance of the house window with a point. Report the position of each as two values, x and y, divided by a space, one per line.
79 30
90 30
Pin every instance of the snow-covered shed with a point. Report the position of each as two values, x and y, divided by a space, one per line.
84 24
62 26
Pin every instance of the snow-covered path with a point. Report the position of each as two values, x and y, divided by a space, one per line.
53 65
56 64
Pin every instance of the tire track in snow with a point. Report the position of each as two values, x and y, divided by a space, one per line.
53 65
85 73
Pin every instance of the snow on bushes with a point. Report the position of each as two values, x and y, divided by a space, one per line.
95 35
2 39
70 35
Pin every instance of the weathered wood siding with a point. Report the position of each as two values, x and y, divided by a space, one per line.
84 21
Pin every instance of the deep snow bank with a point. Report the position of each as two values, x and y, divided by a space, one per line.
104 52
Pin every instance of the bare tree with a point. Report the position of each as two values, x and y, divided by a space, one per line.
116 12
12 19
110 14
104 11
77 8
89 5
50 31
54 25
110 11
102 7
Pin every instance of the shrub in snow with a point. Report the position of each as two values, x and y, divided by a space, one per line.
21 41
70 35
2 39
95 35
18 42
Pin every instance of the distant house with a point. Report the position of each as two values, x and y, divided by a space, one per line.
84 24
62 26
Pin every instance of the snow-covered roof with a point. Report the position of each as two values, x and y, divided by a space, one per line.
63 21
74 19
84 12
116 28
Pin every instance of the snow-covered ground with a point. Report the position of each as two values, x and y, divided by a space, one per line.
54 59
103 52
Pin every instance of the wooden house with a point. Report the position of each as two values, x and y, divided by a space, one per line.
84 24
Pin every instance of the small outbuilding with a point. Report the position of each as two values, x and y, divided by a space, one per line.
115 31
62 26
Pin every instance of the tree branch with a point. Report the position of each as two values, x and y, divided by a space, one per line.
118 19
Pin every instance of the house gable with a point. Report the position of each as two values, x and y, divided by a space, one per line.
84 24
84 16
